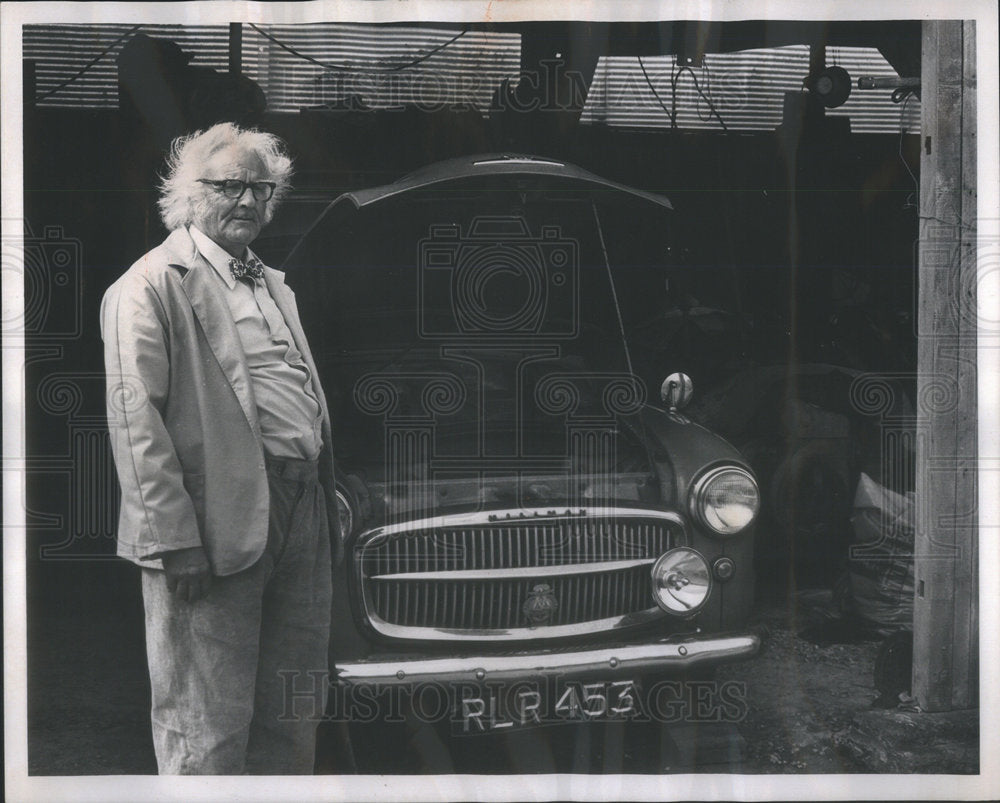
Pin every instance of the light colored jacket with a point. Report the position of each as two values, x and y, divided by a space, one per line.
182 416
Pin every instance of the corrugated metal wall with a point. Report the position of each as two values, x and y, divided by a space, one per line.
746 88
384 67
394 66
61 51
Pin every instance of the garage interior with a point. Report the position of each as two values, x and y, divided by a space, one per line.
824 304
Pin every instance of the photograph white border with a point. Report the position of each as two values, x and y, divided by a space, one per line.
21 787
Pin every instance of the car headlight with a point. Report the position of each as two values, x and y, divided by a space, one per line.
345 514
725 500
682 581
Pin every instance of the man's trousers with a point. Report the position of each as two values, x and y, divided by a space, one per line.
228 671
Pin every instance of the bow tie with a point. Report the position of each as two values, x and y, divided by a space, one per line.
253 268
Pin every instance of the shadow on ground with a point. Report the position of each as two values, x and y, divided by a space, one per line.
805 706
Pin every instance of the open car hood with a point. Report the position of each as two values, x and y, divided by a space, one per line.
467 174
470 328
472 167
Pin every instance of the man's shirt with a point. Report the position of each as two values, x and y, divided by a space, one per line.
289 413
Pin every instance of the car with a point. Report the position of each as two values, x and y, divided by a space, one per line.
531 526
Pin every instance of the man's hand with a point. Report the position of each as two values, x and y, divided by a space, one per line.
188 573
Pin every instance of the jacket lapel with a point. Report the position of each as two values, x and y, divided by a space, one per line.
284 299
216 320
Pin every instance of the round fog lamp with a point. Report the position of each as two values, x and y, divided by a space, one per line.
682 581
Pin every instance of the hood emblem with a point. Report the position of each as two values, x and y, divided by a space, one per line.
540 605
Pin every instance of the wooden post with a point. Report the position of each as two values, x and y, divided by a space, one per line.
946 613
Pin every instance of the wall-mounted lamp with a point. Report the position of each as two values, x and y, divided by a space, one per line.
832 85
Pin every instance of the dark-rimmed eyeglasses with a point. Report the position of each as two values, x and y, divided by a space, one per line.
234 188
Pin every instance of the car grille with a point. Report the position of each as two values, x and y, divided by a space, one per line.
525 574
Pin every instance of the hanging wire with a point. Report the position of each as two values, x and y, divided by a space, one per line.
88 65
671 115
706 77
911 199
674 79
343 68
707 100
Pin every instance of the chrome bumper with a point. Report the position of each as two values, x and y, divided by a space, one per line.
625 660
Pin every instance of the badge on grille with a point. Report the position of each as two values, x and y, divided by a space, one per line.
540 605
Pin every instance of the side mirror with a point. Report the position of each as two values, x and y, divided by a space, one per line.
676 391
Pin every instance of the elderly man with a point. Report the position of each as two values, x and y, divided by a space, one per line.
221 439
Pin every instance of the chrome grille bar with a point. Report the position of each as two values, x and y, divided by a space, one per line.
518 548
521 571
469 576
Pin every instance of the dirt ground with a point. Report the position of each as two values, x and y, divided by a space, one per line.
800 695
88 711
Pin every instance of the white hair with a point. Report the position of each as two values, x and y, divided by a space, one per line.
181 195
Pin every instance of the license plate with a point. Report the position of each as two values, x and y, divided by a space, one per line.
491 709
